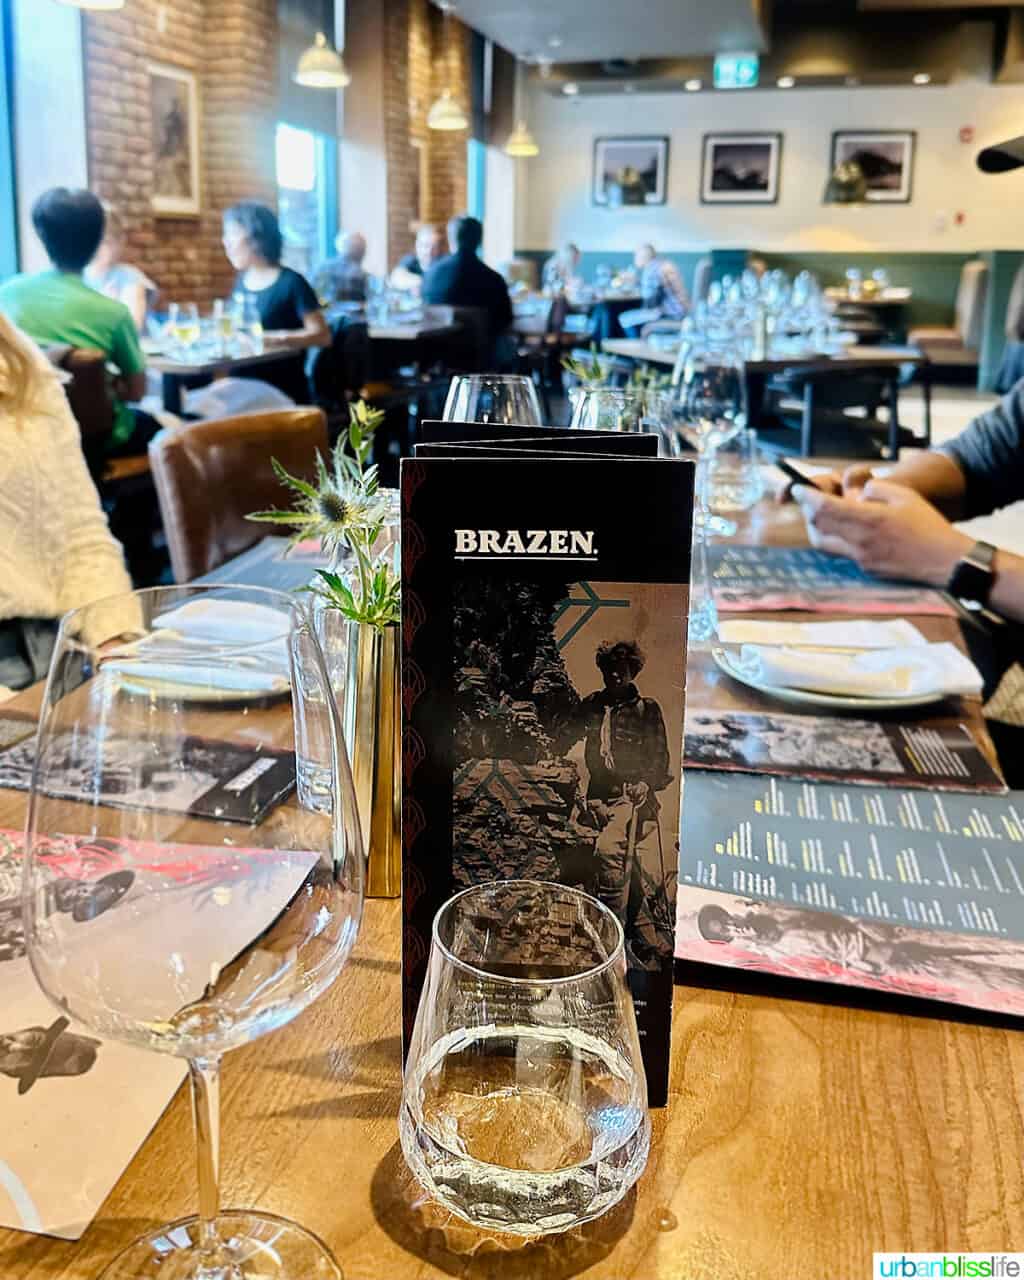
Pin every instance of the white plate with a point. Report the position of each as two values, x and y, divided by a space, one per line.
833 701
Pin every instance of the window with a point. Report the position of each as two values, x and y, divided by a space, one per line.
307 195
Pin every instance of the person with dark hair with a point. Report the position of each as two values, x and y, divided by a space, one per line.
626 754
57 306
289 310
462 280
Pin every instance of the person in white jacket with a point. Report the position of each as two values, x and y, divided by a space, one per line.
56 550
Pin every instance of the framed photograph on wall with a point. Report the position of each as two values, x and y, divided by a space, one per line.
740 168
174 123
886 158
630 171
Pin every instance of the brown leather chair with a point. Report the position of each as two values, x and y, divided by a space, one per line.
210 475
89 396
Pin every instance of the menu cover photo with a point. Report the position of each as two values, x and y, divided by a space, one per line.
910 893
544 631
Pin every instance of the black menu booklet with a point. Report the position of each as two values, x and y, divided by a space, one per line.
917 893
544 600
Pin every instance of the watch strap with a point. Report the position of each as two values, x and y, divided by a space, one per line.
975 573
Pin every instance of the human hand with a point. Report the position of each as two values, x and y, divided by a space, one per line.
855 478
827 482
891 531
637 793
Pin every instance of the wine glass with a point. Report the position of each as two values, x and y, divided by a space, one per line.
224 324
608 409
524 1107
510 399
709 413
184 325
166 743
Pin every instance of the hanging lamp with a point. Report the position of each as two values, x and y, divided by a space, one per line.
321 67
445 112
521 143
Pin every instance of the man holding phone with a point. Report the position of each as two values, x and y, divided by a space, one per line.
900 527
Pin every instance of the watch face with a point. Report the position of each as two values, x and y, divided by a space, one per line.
972 578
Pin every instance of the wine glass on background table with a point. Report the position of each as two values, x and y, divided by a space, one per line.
607 409
166 746
509 399
224 324
184 326
708 409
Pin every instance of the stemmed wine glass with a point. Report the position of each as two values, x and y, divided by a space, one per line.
607 409
166 746
509 399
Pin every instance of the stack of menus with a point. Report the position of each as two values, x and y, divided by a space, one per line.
544 596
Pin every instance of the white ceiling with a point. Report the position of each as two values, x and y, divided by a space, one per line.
593 30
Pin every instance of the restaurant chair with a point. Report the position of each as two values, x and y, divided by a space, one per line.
1011 367
89 397
339 372
702 279
539 356
959 343
836 413
210 475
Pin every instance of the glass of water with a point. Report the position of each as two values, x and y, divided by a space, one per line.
608 409
510 399
734 478
525 1103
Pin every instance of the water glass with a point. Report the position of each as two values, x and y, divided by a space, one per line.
703 612
608 409
184 326
509 399
734 478
248 320
224 324
166 746
524 1108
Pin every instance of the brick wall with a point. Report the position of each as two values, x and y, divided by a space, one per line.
231 45
426 169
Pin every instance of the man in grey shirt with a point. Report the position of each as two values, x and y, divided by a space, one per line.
900 527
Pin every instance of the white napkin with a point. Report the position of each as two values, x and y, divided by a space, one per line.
876 673
166 677
865 634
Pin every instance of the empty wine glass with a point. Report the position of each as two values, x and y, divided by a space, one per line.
166 747
525 1104
712 401
510 399
608 409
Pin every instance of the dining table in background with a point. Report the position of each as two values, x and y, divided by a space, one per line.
176 374
879 315
806 1129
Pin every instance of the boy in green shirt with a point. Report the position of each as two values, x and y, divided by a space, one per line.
57 306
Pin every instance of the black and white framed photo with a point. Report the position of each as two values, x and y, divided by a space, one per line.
886 158
740 168
630 171
174 117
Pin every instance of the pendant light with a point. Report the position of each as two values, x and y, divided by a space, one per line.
100 6
445 112
521 143
321 66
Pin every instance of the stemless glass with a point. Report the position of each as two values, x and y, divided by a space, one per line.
493 397
525 1104
224 324
166 744
735 482
608 409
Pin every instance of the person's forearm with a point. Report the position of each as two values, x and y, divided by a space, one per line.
935 477
1007 596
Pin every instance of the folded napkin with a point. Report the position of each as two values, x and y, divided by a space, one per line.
891 634
876 673
225 621
166 677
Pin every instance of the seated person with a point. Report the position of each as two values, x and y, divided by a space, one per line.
57 306
414 266
55 547
561 271
462 280
662 289
900 527
343 279
289 309
116 279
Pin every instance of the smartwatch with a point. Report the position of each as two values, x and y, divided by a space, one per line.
973 577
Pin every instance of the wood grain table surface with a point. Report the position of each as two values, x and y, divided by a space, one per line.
799 1138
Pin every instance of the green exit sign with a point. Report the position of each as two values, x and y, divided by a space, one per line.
737 70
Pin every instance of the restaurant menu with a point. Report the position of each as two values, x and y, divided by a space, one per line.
544 628
201 777
273 563
909 892
842 748
748 578
75 1107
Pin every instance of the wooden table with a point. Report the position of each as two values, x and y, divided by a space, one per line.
799 1138
175 373
640 349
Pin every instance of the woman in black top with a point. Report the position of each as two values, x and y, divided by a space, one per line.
289 309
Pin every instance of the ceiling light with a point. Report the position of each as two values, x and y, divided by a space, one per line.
446 114
571 88
521 143
786 82
922 77
321 67
692 86
93 4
